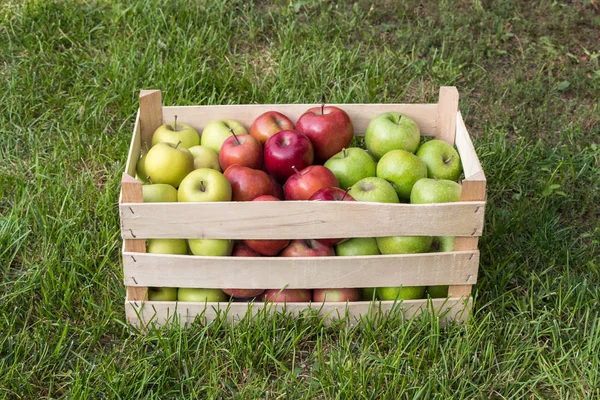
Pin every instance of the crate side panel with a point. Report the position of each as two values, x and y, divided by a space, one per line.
299 220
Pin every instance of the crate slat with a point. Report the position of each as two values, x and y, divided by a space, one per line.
298 220
298 272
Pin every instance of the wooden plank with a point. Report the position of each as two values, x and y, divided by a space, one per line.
425 115
134 148
131 191
446 116
142 314
466 150
151 116
298 220
300 272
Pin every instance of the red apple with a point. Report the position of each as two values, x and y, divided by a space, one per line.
277 189
306 248
306 182
331 194
267 247
240 249
285 150
329 129
242 150
269 123
247 183
336 295
288 295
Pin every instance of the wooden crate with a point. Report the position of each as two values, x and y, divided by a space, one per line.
297 220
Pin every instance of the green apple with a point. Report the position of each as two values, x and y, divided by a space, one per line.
210 247
215 133
204 184
159 193
402 169
205 157
443 243
168 163
391 131
162 294
140 170
428 190
201 295
436 292
442 160
404 244
374 189
364 246
174 133
167 246
401 293
351 165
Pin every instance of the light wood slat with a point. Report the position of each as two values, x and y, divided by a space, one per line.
299 272
425 115
151 116
466 150
134 148
160 313
446 116
298 220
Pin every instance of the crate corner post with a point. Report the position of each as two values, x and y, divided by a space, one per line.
151 115
446 114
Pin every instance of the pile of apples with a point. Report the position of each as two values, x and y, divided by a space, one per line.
310 160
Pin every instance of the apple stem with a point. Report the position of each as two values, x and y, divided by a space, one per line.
447 160
399 118
295 169
149 179
235 136
346 193
322 103
178 143
202 187
175 124
344 152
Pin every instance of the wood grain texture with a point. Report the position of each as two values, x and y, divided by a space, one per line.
425 115
298 220
300 272
446 115
142 314
134 148
466 150
131 192
151 116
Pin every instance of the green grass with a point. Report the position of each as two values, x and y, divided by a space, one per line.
529 78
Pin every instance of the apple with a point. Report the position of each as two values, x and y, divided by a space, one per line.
404 244
391 131
247 183
201 295
427 190
210 247
442 160
288 295
443 243
240 249
285 150
205 157
374 189
167 246
363 246
351 165
368 294
268 124
140 170
215 133
277 189
243 293
242 150
267 247
204 185
306 248
175 133
162 293
168 163
330 194
402 169
329 128
302 184
436 292
159 193
401 293
336 295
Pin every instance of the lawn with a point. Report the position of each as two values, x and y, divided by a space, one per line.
529 77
